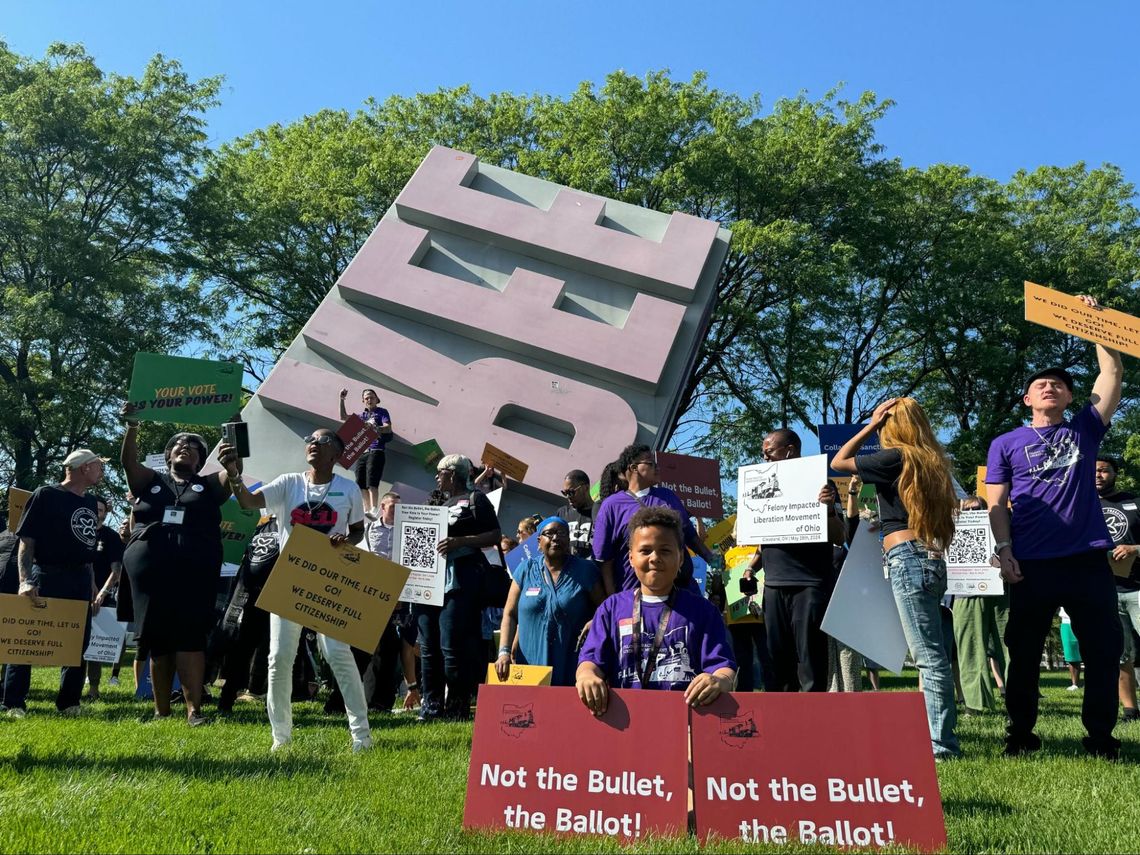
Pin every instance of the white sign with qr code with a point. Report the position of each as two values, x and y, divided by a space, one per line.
418 529
969 572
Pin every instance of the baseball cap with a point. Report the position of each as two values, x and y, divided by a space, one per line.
1060 373
81 457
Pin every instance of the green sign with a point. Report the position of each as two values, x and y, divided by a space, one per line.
428 453
237 529
179 389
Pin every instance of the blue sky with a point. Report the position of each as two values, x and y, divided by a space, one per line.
993 85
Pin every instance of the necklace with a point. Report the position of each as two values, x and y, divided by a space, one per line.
310 504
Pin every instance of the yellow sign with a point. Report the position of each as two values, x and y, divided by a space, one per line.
510 466
341 591
980 489
719 532
17 501
1064 312
738 555
52 635
522 675
843 485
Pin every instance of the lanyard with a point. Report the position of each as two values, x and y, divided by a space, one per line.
178 496
658 637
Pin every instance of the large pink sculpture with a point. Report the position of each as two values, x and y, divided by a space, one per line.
488 306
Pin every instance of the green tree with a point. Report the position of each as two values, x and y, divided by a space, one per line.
93 172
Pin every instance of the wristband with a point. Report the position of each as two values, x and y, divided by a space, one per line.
413 687
1000 545
504 651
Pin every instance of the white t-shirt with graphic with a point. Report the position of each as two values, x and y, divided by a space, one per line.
329 508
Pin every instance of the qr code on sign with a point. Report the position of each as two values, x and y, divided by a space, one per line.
418 546
970 547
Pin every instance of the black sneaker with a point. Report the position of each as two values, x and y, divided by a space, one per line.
1105 749
1016 746
1129 714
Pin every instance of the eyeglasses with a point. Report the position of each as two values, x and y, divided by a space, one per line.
553 533
323 439
652 463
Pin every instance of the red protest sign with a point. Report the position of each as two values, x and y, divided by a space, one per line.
836 769
695 480
541 761
357 435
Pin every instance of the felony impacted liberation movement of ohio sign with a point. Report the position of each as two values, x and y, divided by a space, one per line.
488 306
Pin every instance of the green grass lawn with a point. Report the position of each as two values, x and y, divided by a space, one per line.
106 783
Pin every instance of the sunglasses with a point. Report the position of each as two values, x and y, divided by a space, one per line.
571 491
323 439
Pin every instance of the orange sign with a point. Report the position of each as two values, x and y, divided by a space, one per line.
510 466
1069 314
17 501
52 635
344 592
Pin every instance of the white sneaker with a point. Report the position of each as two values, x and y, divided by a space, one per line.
1073 688
364 744
114 681
279 746
17 712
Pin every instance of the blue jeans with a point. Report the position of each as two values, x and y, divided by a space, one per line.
65 584
919 582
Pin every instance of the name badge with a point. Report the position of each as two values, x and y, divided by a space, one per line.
625 627
533 592
1129 506
173 516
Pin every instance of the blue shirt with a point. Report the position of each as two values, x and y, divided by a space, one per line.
550 620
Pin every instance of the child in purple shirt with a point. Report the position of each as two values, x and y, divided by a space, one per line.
655 636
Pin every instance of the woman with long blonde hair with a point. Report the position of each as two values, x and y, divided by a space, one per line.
917 506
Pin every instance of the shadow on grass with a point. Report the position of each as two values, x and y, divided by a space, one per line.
206 769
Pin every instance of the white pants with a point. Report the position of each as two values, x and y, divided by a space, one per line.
284 636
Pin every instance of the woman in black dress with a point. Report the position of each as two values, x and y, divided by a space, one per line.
174 561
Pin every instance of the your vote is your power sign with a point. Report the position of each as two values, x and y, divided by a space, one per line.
180 389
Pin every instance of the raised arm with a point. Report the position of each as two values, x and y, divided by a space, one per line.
343 411
138 475
1105 396
228 457
844 460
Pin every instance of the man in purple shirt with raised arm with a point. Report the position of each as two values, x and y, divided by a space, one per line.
1054 550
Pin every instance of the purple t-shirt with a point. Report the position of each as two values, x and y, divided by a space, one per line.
377 417
611 540
695 641
1051 470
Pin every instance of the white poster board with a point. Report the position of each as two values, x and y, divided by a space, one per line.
417 530
969 572
862 612
156 461
778 502
107 637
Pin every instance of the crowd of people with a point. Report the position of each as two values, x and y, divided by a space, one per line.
611 599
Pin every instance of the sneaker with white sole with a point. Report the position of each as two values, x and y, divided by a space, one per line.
17 712
1073 689
280 745
359 745
114 681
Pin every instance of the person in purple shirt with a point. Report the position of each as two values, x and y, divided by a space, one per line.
370 467
611 541
1054 551
657 636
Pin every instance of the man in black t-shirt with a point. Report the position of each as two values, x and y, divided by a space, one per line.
58 538
578 513
798 580
1123 521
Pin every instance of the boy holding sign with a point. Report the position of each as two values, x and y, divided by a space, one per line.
657 636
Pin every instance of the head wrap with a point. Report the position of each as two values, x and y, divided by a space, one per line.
550 520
